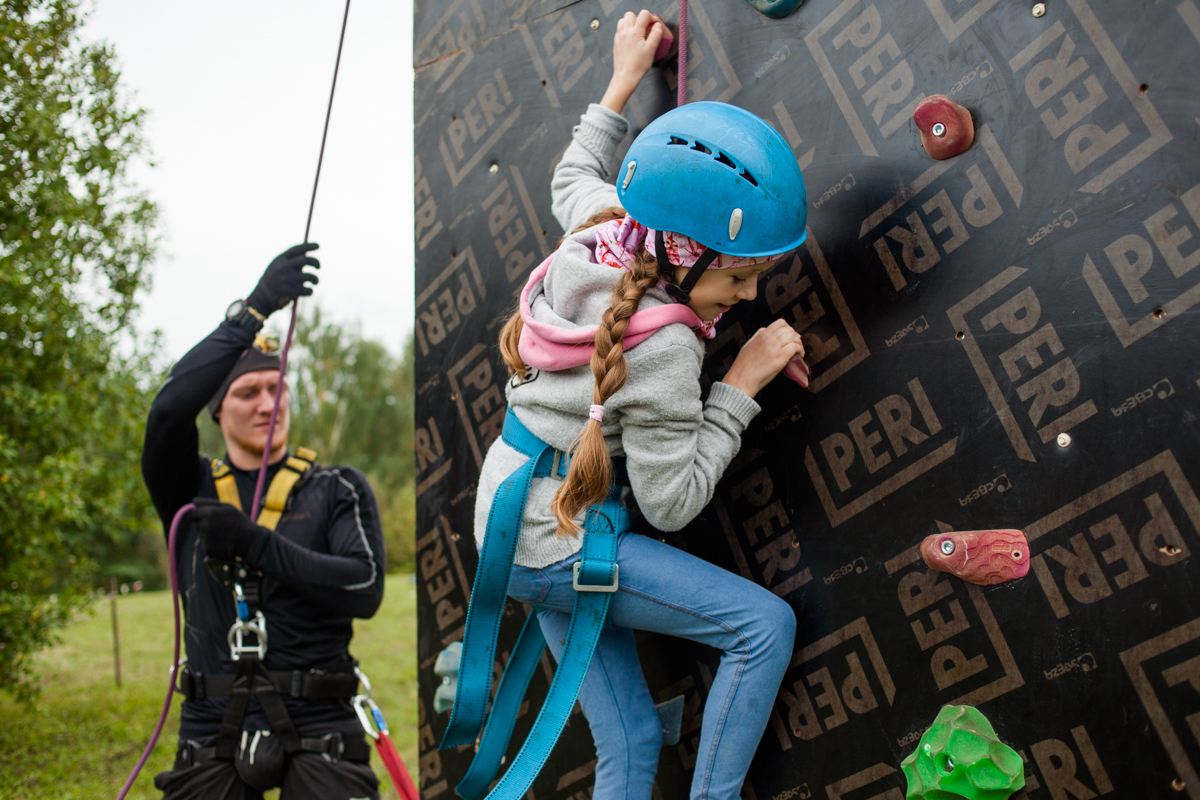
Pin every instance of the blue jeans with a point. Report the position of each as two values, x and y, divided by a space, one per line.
666 590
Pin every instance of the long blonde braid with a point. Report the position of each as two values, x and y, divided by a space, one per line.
591 471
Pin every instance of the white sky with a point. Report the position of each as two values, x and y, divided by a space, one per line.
236 92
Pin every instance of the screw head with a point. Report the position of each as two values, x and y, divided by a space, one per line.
939 129
1039 9
494 168
1064 440
947 546
595 24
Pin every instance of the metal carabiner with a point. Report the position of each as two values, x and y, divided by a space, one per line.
237 638
362 678
360 703
174 672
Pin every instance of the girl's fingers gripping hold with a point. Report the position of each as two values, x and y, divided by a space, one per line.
764 356
634 45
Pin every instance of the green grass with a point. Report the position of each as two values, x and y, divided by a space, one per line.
82 737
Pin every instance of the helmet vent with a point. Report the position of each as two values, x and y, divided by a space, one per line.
700 147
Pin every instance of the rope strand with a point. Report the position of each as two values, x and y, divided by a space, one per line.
681 87
287 344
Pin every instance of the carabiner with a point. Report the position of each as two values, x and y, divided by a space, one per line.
237 638
360 703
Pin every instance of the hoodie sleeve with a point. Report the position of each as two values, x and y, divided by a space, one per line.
677 447
582 185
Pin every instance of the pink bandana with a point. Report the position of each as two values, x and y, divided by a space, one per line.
617 244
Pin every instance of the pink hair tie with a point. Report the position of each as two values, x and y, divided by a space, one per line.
596 413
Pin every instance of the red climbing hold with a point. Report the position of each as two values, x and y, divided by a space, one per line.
980 557
946 127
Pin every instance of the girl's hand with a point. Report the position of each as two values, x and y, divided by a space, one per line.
634 45
763 357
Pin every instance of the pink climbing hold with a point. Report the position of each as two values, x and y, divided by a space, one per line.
668 39
946 127
797 370
983 558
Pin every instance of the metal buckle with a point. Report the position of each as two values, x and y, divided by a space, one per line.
333 741
237 638
556 463
587 587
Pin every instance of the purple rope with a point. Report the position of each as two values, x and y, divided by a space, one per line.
166 709
287 344
681 87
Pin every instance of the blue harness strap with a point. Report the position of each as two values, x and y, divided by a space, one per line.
596 578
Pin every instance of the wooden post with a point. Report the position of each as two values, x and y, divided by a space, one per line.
112 593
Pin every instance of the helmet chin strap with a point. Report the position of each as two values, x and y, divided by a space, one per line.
682 292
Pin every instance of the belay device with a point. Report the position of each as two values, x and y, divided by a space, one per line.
596 578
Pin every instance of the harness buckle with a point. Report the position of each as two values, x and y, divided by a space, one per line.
556 464
589 587
237 638
335 746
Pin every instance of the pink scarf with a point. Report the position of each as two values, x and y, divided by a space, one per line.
545 346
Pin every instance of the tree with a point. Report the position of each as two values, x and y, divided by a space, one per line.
75 239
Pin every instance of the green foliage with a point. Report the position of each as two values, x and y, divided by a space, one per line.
352 402
75 239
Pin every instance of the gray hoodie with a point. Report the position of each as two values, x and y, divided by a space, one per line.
676 447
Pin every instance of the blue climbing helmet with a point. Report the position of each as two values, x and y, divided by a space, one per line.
720 175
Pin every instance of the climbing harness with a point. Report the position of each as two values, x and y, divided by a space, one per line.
374 725
285 479
596 577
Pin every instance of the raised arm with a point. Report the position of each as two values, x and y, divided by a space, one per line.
581 185
171 447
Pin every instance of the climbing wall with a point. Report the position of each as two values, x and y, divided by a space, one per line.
1008 338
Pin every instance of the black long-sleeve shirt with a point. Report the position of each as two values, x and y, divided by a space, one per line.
324 563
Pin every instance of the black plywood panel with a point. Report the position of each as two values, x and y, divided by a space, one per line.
963 315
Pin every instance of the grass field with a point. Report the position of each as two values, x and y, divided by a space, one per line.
84 735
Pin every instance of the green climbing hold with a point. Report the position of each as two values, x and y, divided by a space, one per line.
961 757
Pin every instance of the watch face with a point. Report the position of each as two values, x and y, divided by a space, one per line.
235 308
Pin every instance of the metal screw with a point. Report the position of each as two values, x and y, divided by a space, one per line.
939 129
1039 9
947 546
494 168
595 24
1064 440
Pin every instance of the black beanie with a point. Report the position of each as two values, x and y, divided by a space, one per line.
263 354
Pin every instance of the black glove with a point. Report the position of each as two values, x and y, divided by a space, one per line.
227 533
284 280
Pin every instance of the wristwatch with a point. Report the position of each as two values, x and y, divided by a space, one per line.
239 313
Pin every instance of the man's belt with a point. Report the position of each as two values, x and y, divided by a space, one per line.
333 747
301 684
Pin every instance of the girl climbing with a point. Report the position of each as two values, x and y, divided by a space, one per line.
714 197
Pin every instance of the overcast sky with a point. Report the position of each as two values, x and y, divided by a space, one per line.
236 92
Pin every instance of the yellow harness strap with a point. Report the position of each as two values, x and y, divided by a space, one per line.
277 493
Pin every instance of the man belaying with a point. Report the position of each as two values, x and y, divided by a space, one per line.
270 603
